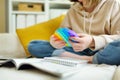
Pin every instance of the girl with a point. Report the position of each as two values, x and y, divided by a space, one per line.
97 23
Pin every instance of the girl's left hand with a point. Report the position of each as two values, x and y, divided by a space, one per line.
83 41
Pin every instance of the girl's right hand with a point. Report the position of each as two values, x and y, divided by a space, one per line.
57 43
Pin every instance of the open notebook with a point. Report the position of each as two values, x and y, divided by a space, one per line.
57 66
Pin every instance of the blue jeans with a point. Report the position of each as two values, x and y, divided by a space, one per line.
109 55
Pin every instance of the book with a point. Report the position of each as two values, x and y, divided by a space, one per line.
65 61
56 66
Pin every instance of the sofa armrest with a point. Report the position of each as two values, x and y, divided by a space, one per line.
10 46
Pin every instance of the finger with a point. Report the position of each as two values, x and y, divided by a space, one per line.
60 45
75 46
60 42
78 49
81 34
75 39
55 38
71 43
52 35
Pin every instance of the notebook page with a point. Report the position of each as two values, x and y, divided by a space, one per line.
65 61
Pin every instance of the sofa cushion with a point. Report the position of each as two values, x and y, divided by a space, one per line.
87 72
41 31
10 46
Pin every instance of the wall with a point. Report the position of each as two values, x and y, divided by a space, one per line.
2 16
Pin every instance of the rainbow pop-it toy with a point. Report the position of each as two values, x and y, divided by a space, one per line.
65 34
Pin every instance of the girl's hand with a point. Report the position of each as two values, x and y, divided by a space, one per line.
83 41
56 43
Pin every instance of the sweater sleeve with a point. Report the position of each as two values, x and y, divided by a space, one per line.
103 40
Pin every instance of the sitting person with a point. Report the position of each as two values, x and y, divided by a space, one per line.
97 23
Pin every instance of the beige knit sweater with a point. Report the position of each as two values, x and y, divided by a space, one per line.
103 23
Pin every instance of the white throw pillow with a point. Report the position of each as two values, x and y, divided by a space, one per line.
10 46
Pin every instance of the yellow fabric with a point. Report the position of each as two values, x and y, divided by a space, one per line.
41 31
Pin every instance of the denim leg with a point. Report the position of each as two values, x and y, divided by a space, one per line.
39 48
87 52
109 55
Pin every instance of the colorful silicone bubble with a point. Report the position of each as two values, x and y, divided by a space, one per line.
65 34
